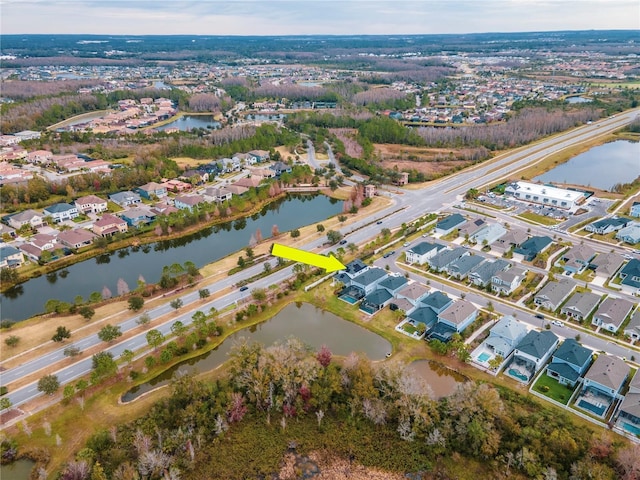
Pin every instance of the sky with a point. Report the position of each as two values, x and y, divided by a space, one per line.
308 17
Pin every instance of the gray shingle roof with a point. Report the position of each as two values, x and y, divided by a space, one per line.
450 221
614 310
537 344
370 276
608 371
555 292
445 257
572 352
425 247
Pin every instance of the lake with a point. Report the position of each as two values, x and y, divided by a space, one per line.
311 325
601 167
578 100
18 470
189 122
442 380
206 246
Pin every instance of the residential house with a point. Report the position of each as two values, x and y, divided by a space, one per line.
577 258
481 274
606 264
442 259
217 194
424 315
38 244
422 252
393 284
607 225
152 190
176 186
454 319
40 156
76 238
109 225
437 301
569 362
412 294
531 248
188 202
368 280
354 268
237 189
230 164
506 282
91 204
263 172
629 411
259 155
370 191
632 330
6 230
630 234
245 158
136 217
505 335
553 294
531 354
460 268
611 313
10 257
126 198
580 305
30 218
603 383
471 228
280 168
249 182
197 176
489 234
635 210
60 212
375 301
449 224
512 239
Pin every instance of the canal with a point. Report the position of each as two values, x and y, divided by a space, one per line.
311 325
129 264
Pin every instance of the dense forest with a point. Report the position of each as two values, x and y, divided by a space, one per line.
376 415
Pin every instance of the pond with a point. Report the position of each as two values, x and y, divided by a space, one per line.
311 325
263 117
601 167
189 122
578 100
128 264
442 380
18 470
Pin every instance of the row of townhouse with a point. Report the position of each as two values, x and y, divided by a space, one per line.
627 230
522 354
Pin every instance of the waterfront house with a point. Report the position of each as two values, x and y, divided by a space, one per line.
532 248
76 238
505 335
91 204
29 217
354 268
607 225
531 354
611 313
553 294
602 384
368 280
444 258
109 225
413 293
151 190
137 216
217 194
126 198
454 319
375 301
569 362
424 315
580 305
632 330
507 281
393 284
437 301
10 257
449 224
577 258
280 168
60 212
188 202
422 252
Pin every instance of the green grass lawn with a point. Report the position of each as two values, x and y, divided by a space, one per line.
410 329
557 392
541 219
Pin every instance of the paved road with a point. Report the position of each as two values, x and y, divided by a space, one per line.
407 206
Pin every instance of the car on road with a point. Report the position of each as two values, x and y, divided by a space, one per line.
541 317
406 244
342 242
379 222
244 288
425 235
557 323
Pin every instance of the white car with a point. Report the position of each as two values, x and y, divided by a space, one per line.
406 244
557 323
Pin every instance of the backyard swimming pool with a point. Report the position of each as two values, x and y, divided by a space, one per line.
348 298
598 410
483 357
518 375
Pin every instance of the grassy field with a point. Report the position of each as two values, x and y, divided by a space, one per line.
559 393
536 218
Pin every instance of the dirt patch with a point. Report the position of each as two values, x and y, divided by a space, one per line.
427 168
188 162
347 137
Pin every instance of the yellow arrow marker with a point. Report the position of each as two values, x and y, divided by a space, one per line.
330 263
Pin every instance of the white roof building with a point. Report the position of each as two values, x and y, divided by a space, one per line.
545 195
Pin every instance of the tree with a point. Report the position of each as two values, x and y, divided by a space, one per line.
95 297
324 356
295 233
333 236
143 319
176 303
386 233
87 312
154 338
5 403
48 384
204 293
259 294
109 333
103 365
250 253
97 473
12 340
127 356
266 267
61 334
320 228
241 261
136 303
178 328
71 351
